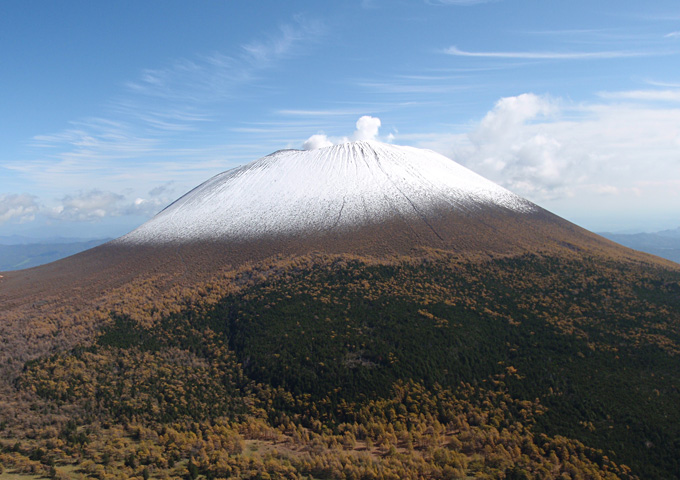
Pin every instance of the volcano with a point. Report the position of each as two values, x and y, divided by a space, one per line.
364 197
347 288
333 189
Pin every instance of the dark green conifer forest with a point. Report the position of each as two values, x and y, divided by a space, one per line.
532 366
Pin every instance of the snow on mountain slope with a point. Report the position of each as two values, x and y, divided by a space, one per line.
317 191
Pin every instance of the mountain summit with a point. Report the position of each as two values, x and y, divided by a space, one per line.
346 186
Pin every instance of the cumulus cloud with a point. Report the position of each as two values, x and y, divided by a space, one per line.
510 113
547 149
88 206
94 205
367 128
505 146
18 207
317 141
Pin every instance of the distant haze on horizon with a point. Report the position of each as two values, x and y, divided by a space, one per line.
110 111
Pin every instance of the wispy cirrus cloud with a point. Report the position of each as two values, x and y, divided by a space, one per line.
214 77
668 95
413 88
656 83
672 35
356 109
321 113
599 36
165 118
97 139
528 55
137 133
179 97
261 53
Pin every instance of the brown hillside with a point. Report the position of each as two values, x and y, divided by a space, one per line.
58 305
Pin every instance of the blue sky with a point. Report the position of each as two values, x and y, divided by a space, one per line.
111 110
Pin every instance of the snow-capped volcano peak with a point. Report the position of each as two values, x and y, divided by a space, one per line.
293 192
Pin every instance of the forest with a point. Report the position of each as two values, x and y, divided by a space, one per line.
338 366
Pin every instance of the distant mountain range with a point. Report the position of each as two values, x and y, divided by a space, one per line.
18 252
665 244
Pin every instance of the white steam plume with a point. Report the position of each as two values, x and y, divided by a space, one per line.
317 141
367 128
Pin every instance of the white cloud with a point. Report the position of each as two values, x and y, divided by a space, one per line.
262 53
606 189
97 140
669 95
672 35
320 113
88 206
215 77
317 141
506 145
95 205
18 207
409 87
367 128
552 55
549 150
510 112
657 83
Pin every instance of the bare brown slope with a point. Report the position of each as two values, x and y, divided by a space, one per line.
56 305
